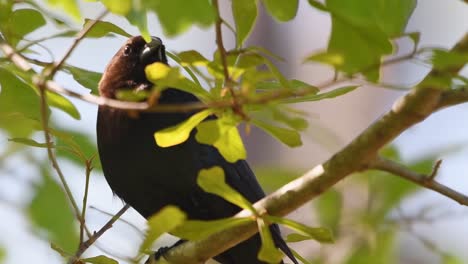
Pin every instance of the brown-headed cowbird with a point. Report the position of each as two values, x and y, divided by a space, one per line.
149 177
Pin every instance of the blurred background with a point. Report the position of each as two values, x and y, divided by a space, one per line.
430 227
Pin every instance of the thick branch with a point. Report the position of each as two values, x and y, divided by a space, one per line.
411 109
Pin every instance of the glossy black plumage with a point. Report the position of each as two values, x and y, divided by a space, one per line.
149 177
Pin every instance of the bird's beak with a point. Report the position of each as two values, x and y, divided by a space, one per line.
153 51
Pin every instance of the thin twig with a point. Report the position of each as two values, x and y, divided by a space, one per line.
435 171
50 145
420 179
220 44
75 43
89 168
41 84
85 245
133 226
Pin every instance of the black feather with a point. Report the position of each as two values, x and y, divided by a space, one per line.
149 177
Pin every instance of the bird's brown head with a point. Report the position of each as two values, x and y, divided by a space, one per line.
126 70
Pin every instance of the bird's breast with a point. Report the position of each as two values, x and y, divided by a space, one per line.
140 172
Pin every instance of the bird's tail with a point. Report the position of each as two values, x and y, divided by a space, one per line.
281 244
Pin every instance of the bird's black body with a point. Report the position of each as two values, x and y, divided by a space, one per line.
149 177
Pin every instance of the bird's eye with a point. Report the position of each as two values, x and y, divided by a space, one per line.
127 50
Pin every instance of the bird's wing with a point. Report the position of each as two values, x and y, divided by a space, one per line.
240 176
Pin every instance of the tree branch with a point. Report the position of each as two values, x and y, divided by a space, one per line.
411 109
426 181
85 245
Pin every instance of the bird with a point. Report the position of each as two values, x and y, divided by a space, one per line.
149 177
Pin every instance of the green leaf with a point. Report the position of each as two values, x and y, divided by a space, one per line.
28 142
164 76
444 59
393 15
287 136
357 27
2 254
69 6
245 14
104 28
132 95
176 16
192 57
212 181
330 58
317 97
87 78
24 79
277 73
368 26
6 8
164 221
179 133
60 102
320 234
18 26
121 7
294 122
197 229
282 10
138 17
383 249
293 84
222 133
59 250
318 5
384 200
415 37
101 259
60 227
295 237
451 259
268 251
329 206
19 105
76 147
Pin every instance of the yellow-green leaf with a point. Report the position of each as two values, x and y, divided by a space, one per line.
164 77
103 28
245 14
287 136
101 259
60 229
18 26
321 96
179 133
197 229
268 252
28 142
121 7
212 181
282 10
192 57
60 102
176 16
317 233
162 222
224 136
69 6
331 58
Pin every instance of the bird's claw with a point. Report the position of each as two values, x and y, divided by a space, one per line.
156 256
